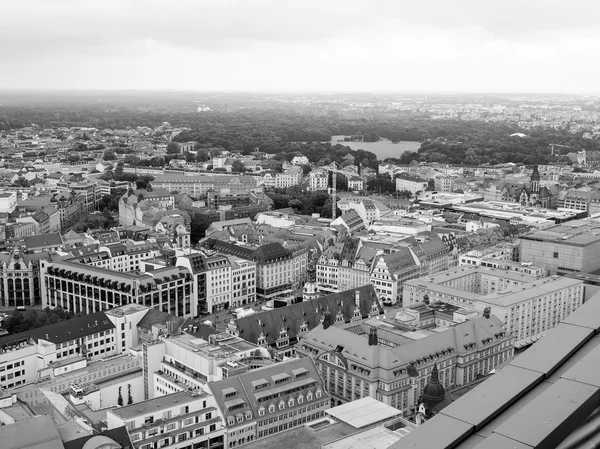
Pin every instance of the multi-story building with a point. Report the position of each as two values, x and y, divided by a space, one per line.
318 180
443 184
218 283
20 279
527 306
389 273
125 257
271 400
355 183
411 183
55 349
394 368
180 420
290 177
197 186
81 288
570 247
90 191
278 269
133 206
176 361
280 329
243 281
8 202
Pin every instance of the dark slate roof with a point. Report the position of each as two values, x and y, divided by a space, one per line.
119 435
298 371
197 262
399 260
68 330
270 252
272 321
264 253
42 241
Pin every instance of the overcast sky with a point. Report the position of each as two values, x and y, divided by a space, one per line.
302 45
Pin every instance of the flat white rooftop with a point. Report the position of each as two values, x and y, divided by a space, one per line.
363 412
376 438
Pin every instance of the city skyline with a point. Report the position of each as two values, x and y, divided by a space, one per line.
264 46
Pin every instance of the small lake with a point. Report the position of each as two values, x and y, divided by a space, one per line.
383 148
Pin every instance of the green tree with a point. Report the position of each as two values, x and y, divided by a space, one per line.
238 167
173 148
109 155
21 182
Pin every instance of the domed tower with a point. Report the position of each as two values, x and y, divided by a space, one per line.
310 290
434 392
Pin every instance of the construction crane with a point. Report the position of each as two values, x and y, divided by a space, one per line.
333 190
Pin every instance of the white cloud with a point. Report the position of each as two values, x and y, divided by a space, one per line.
367 45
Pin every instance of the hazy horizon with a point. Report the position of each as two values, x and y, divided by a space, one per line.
279 46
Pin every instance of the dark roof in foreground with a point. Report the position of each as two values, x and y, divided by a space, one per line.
545 396
78 327
42 241
118 435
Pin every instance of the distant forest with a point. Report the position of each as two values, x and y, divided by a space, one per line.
286 131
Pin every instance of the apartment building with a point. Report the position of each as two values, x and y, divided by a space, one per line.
278 269
218 283
389 273
318 180
243 281
527 306
290 177
81 288
395 369
443 184
180 420
271 400
197 186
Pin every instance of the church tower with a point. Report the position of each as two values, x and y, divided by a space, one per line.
310 290
535 180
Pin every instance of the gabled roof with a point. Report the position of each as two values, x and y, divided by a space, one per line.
291 376
271 322
399 260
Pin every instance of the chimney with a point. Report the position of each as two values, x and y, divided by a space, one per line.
357 298
373 336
